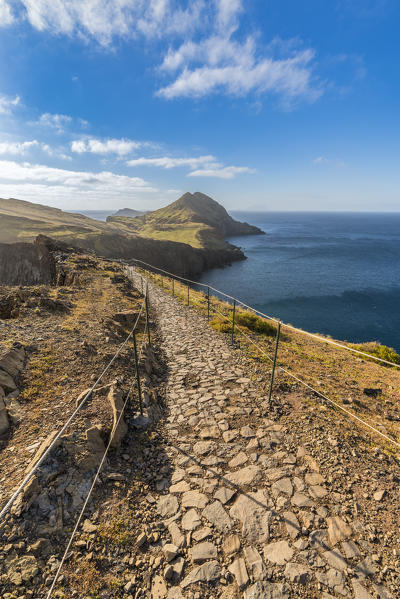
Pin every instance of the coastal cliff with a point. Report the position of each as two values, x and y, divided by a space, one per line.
186 237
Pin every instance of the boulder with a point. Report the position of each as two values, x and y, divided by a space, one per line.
12 360
95 447
120 428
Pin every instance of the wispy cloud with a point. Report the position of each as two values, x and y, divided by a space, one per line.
38 172
20 148
329 161
226 172
6 15
8 104
55 121
168 162
102 20
17 148
223 62
200 166
244 74
213 55
38 182
121 147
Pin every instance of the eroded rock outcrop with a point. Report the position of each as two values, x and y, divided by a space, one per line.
26 264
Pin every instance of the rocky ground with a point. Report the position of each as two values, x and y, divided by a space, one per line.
261 500
224 494
54 343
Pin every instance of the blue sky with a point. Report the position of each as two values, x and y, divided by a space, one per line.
264 105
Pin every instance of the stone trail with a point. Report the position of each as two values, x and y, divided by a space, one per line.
246 510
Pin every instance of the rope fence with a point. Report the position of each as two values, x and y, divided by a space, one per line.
211 308
43 457
271 318
96 477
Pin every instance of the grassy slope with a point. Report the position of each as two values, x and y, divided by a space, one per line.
197 235
195 219
23 221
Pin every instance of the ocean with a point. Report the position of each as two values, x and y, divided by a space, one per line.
332 273
96 214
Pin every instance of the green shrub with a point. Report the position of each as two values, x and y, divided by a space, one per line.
246 320
380 351
255 323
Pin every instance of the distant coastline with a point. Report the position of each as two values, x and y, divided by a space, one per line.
96 214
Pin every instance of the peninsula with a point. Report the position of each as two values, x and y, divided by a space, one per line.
186 237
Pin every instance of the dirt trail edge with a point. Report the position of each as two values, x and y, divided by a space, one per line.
246 510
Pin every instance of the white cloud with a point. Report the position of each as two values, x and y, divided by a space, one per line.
323 160
213 56
20 148
104 19
38 182
219 64
227 14
201 166
55 121
121 147
167 162
38 172
6 16
226 172
17 147
8 104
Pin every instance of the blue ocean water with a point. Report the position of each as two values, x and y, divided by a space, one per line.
96 214
332 273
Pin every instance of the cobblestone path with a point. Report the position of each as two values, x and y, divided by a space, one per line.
246 510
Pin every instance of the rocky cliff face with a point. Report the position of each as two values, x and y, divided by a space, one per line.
178 258
37 263
26 264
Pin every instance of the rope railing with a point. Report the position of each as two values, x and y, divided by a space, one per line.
295 376
95 479
37 465
260 349
337 405
302 382
273 319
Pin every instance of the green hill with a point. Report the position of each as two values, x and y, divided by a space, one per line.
23 221
195 219
186 237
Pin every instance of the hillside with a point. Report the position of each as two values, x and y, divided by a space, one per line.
186 237
195 219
